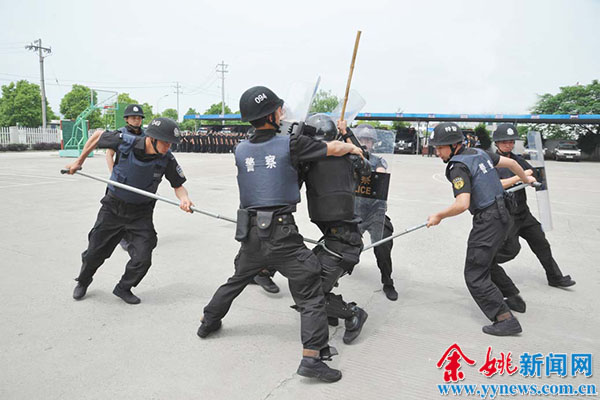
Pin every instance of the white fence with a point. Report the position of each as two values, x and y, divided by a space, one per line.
29 136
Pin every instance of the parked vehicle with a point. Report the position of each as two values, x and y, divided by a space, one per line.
567 151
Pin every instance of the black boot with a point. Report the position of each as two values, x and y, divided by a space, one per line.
207 328
266 283
315 368
516 303
126 295
390 292
563 281
80 290
506 327
355 324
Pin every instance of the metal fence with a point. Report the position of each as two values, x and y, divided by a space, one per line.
29 136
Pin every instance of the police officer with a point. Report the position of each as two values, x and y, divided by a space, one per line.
134 116
269 191
525 225
373 214
143 161
330 193
477 188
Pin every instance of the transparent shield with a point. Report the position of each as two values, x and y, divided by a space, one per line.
372 192
534 144
299 98
354 105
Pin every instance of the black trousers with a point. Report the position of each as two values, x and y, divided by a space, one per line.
525 226
285 252
117 219
343 238
486 237
375 225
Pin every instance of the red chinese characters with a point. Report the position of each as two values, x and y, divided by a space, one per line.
451 371
497 366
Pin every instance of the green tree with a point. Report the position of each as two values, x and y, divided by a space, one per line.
21 104
76 101
577 99
375 124
324 102
124 98
483 135
169 113
148 113
189 124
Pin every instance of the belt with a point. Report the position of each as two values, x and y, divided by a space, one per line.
282 219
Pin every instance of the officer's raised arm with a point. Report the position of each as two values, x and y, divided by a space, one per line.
516 169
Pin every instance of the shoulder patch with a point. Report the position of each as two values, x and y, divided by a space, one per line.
458 183
179 171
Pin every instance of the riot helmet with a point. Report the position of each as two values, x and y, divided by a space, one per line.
133 110
446 133
258 102
325 127
505 132
365 132
164 129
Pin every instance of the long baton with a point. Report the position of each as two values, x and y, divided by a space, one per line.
522 186
358 33
157 197
414 228
387 239
148 194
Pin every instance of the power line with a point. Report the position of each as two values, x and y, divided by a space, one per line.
38 47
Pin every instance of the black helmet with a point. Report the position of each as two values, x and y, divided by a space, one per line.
506 132
258 102
164 129
365 131
446 133
133 110
326 128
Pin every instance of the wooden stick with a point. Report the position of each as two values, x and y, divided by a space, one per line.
350 75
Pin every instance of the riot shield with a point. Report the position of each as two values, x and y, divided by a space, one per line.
355 103
534 142
297 104
372 192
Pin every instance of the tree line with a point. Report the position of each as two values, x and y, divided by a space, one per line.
20 104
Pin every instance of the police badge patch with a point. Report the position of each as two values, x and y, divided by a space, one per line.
458 183
180 171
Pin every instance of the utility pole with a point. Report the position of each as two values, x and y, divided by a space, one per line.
177 86
37 45
222 70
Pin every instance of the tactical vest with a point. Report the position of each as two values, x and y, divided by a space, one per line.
485 183
145 175
124 129
266 176
520 196
330 186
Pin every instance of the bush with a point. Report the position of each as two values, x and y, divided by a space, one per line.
46 146
16 147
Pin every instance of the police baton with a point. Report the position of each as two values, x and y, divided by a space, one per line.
157 197
523 186
387 239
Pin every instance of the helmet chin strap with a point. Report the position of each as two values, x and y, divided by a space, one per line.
453 148
275 124
153 141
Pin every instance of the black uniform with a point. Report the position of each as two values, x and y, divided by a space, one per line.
330 186
379 225
467 169
526 226
271 237
124 213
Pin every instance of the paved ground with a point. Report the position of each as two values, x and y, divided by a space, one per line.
52 347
